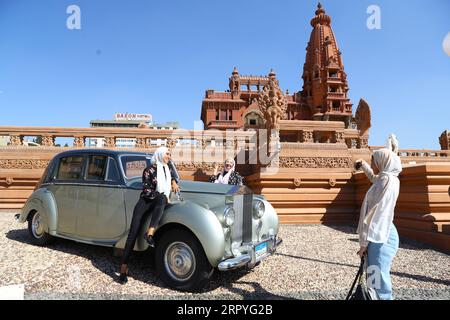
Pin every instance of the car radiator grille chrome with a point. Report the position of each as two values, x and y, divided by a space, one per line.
241 231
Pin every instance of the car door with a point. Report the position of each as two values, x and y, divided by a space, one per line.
101 214
65 187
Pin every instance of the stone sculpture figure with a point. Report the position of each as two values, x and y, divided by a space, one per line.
272 103
363 118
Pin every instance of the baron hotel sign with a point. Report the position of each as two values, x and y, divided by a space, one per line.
132 116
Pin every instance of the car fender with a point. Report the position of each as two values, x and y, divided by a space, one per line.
203 223
269 219
41 200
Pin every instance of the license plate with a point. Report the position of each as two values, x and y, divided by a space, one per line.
260 249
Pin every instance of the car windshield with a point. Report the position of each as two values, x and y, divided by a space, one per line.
133 165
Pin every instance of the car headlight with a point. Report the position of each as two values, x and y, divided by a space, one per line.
258 209
228 216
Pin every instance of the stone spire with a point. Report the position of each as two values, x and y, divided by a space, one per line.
324 80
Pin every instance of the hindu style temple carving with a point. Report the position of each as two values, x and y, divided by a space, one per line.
79 141
258 102
444 140
15 140
171 143
316 162
363 117
110 142
297 182
141 143
272 102
48 141
9 181
23 164
307 136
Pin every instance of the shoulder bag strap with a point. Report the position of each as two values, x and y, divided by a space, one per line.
358 276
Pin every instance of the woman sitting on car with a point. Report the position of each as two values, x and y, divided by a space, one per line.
228 175
158 180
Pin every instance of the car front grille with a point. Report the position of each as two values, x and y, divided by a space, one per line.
241 230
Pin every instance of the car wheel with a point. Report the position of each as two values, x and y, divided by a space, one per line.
181 262
36 229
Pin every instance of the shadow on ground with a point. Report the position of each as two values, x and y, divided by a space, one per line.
398 274
141 266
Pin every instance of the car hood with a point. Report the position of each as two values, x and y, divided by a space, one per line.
207 187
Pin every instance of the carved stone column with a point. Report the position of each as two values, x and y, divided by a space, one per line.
201 143
338 137
48 141
78 141
141 143
171 143
307 136
110 142
349 143
16 140
362 143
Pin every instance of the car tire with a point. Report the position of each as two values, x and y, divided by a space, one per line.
181 262
36 230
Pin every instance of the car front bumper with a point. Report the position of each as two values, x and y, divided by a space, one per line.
248 257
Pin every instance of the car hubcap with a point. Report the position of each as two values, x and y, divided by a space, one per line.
37 226
179 261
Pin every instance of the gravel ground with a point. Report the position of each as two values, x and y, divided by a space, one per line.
314 262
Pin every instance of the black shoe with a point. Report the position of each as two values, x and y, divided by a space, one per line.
150 241
123 278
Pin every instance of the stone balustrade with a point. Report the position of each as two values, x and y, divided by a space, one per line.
142 136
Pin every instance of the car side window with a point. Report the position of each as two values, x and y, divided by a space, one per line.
70 168
113 171
134 165
96 167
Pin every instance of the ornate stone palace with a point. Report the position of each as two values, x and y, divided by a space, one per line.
323 96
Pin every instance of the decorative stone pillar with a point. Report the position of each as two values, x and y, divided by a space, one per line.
16 140
307 136
110 142
201 143
171 143
231 143
362 143
338 137
48 141
78 142
349 143
141 143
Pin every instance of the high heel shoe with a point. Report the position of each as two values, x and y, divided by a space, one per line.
150 241
123 278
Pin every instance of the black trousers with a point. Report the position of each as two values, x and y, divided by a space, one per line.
143 208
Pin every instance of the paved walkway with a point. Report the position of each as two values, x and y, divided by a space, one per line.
314 262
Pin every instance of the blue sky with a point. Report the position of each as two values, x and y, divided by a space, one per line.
159 57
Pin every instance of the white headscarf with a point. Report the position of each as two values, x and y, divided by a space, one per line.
163 180
224 178
392 143
377 211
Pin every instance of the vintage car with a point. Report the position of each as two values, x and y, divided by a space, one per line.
88 195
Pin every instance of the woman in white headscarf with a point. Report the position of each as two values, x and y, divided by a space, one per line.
378 237
228 175
158 180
